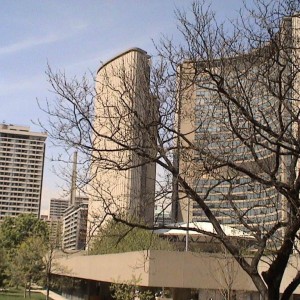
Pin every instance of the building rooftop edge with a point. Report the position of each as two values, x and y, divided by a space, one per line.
241 55
20 129
137 49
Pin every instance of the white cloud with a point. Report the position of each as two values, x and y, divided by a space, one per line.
31 42
28 43
26 84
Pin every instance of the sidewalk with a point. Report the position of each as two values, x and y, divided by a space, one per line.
52 295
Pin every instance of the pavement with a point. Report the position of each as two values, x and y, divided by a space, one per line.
52 295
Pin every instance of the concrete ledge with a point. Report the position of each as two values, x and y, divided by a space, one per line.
158 269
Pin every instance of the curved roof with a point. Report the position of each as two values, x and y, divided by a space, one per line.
203 226
123 53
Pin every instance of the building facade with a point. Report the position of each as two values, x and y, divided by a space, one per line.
22 162
123 182
230 114
75 227
55 221
55 227
194 275
57 208
74 224
229 194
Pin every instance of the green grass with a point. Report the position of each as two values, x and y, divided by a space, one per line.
19 294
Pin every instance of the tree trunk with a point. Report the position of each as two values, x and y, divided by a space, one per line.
273 276
291 288
273 293
48 286
261 287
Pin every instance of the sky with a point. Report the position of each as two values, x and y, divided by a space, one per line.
74 36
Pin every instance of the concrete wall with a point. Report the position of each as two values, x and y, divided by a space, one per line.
166 269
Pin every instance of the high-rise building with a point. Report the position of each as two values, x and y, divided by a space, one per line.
75 225
230 195
21 170
57 208
123 181
224 108
55 227
68 222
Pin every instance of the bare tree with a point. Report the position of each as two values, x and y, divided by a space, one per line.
218 115
225 275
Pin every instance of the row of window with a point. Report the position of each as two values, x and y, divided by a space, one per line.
18 201
229 216
21 173
19 179
248 190
20 194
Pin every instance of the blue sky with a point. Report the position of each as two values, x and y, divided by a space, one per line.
74 36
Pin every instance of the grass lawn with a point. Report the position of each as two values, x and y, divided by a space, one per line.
19 294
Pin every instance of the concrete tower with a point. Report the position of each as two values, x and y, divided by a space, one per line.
123 182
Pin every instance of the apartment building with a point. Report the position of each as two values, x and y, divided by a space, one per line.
21 170
75 225
57 208
55 227
55 221
123 182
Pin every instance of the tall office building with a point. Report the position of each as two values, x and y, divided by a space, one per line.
222 135
229 194
21 170
123 182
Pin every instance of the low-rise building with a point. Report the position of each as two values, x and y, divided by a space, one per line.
181 275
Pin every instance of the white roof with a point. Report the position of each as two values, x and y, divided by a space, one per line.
203 226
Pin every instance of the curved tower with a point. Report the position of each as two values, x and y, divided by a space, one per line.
123 178
233 113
